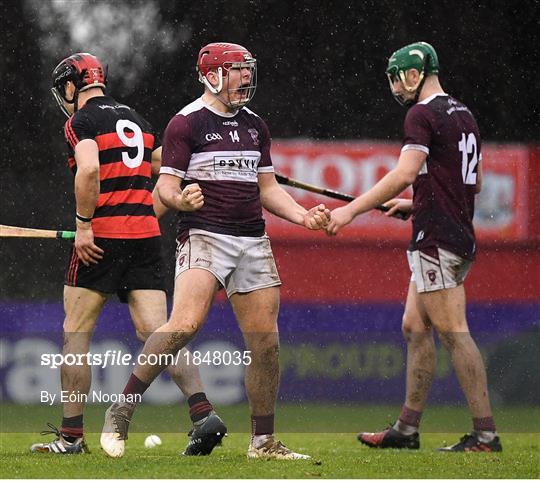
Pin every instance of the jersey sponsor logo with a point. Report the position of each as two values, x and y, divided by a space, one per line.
226 165
118 106
214 136
455 107
254 133
246 163
231 123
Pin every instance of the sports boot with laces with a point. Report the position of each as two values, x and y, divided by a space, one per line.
389 438
273 449
60 445
471 443
205 435
115 428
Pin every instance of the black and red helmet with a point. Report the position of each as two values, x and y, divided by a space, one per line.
221 57
84 70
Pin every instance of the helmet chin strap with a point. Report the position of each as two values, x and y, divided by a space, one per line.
75 100
412 88
217 90
417 88
211 88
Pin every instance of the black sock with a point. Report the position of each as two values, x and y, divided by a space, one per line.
72 428
199 406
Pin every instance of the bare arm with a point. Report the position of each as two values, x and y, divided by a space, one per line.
86 197
156 161
403 175
279 202
159 208
170 194
87 177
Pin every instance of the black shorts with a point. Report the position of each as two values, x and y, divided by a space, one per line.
127 264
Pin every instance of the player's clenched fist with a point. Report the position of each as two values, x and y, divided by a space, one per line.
191 198
317 217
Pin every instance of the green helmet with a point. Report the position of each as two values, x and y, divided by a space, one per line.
419 55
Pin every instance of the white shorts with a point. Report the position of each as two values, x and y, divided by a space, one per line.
240 264
447 270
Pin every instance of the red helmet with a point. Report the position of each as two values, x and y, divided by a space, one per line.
84 70
221 57
221 54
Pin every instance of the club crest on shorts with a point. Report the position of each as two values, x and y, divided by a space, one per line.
181 260
432 275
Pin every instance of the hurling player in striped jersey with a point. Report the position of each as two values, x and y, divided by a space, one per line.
117 248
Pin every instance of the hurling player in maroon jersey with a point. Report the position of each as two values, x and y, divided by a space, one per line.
440 157
217 174
117 246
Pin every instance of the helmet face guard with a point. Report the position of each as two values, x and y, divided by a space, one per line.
416 88
223 58
60 98
84 70
420 56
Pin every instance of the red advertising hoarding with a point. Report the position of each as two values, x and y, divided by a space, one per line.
502 211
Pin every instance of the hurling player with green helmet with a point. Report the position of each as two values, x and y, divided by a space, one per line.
441 159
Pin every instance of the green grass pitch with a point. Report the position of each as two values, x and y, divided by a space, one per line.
326 432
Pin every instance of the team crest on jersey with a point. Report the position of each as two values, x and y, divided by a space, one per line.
254 133
432 275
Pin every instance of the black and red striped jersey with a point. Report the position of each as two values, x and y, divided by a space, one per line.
125 141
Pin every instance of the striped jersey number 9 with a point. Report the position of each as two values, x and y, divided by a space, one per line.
136 140
467 145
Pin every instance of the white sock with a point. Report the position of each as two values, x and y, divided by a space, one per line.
258 440
404 429
484 436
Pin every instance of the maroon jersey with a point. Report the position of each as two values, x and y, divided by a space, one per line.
444 190
125 141
223 153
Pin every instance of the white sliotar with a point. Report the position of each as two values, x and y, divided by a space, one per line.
152 441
